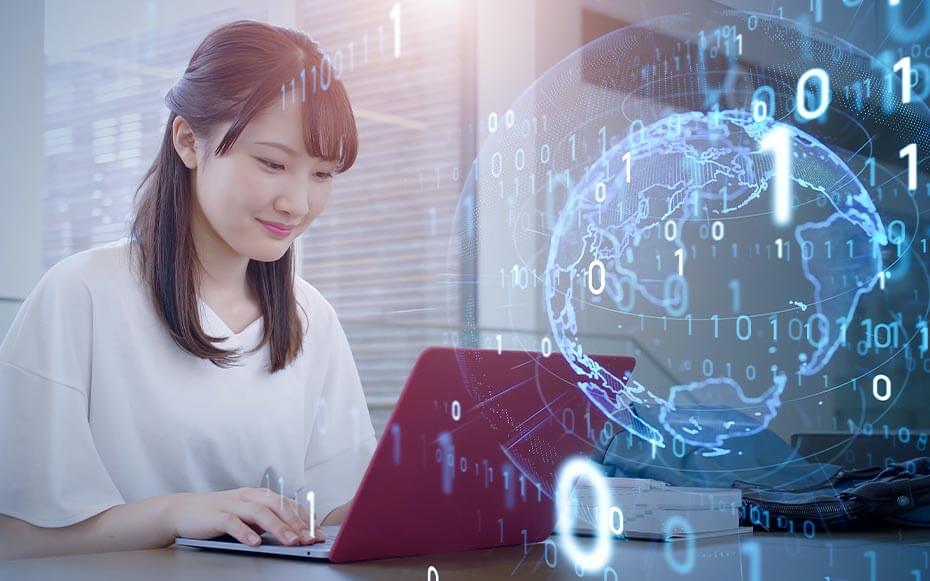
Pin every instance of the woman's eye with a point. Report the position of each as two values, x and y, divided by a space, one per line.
270 164
324 175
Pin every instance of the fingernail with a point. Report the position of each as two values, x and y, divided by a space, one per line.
253 539
290 536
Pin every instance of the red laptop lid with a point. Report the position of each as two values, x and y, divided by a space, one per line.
469 457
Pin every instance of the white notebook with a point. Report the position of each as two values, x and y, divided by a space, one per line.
657 511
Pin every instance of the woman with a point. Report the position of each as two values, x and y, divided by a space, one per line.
147 385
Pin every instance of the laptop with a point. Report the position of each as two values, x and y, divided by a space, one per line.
467 460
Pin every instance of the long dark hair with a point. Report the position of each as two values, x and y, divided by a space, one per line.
238 70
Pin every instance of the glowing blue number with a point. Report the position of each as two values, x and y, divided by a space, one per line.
395 17
752 552
824 79
616 520
904 66
763 109
687 531
886 394
596 290
682 283
778 140
572 470
911 153
546 346
311 506
735 291
904 30
746 322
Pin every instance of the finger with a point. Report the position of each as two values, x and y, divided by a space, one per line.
318 535
268 520
294 509
303 514
297 516
234 527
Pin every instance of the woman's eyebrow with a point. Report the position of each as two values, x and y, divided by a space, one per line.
276 145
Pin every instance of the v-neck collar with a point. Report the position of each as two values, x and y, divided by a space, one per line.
223 327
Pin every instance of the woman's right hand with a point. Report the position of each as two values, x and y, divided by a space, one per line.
243 513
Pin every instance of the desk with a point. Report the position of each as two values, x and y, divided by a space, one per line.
891 554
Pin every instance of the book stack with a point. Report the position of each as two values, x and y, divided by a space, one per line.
654 510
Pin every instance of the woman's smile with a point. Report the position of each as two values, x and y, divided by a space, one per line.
277 229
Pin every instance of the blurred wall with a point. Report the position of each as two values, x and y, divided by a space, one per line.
21 125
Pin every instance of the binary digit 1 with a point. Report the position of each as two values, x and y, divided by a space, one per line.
754 555
680 253
911 153
904 65
311 507
395 18
778 140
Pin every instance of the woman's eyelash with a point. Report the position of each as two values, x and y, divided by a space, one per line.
326 175
271 164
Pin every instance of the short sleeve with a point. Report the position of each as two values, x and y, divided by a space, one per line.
342 439
52 473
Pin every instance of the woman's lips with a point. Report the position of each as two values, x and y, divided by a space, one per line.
276 229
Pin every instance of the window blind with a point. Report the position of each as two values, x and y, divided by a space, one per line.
379 251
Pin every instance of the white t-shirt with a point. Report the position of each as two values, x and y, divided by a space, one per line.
99 406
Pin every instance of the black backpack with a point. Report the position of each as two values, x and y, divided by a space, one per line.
850 499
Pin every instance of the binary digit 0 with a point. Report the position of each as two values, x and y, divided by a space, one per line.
886 394
597 556
546 346
681 525
602 281
824 94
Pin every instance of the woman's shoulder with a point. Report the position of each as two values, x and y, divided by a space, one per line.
309 296
105 265
318 308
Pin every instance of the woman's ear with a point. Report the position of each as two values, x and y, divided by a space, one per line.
184 142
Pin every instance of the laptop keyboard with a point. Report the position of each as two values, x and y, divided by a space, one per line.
320 550
270 539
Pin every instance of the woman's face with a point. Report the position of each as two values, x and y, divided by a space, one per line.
266 178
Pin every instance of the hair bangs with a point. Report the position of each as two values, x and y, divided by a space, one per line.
330 131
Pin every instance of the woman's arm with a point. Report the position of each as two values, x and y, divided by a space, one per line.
155 522
337 515
144 524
